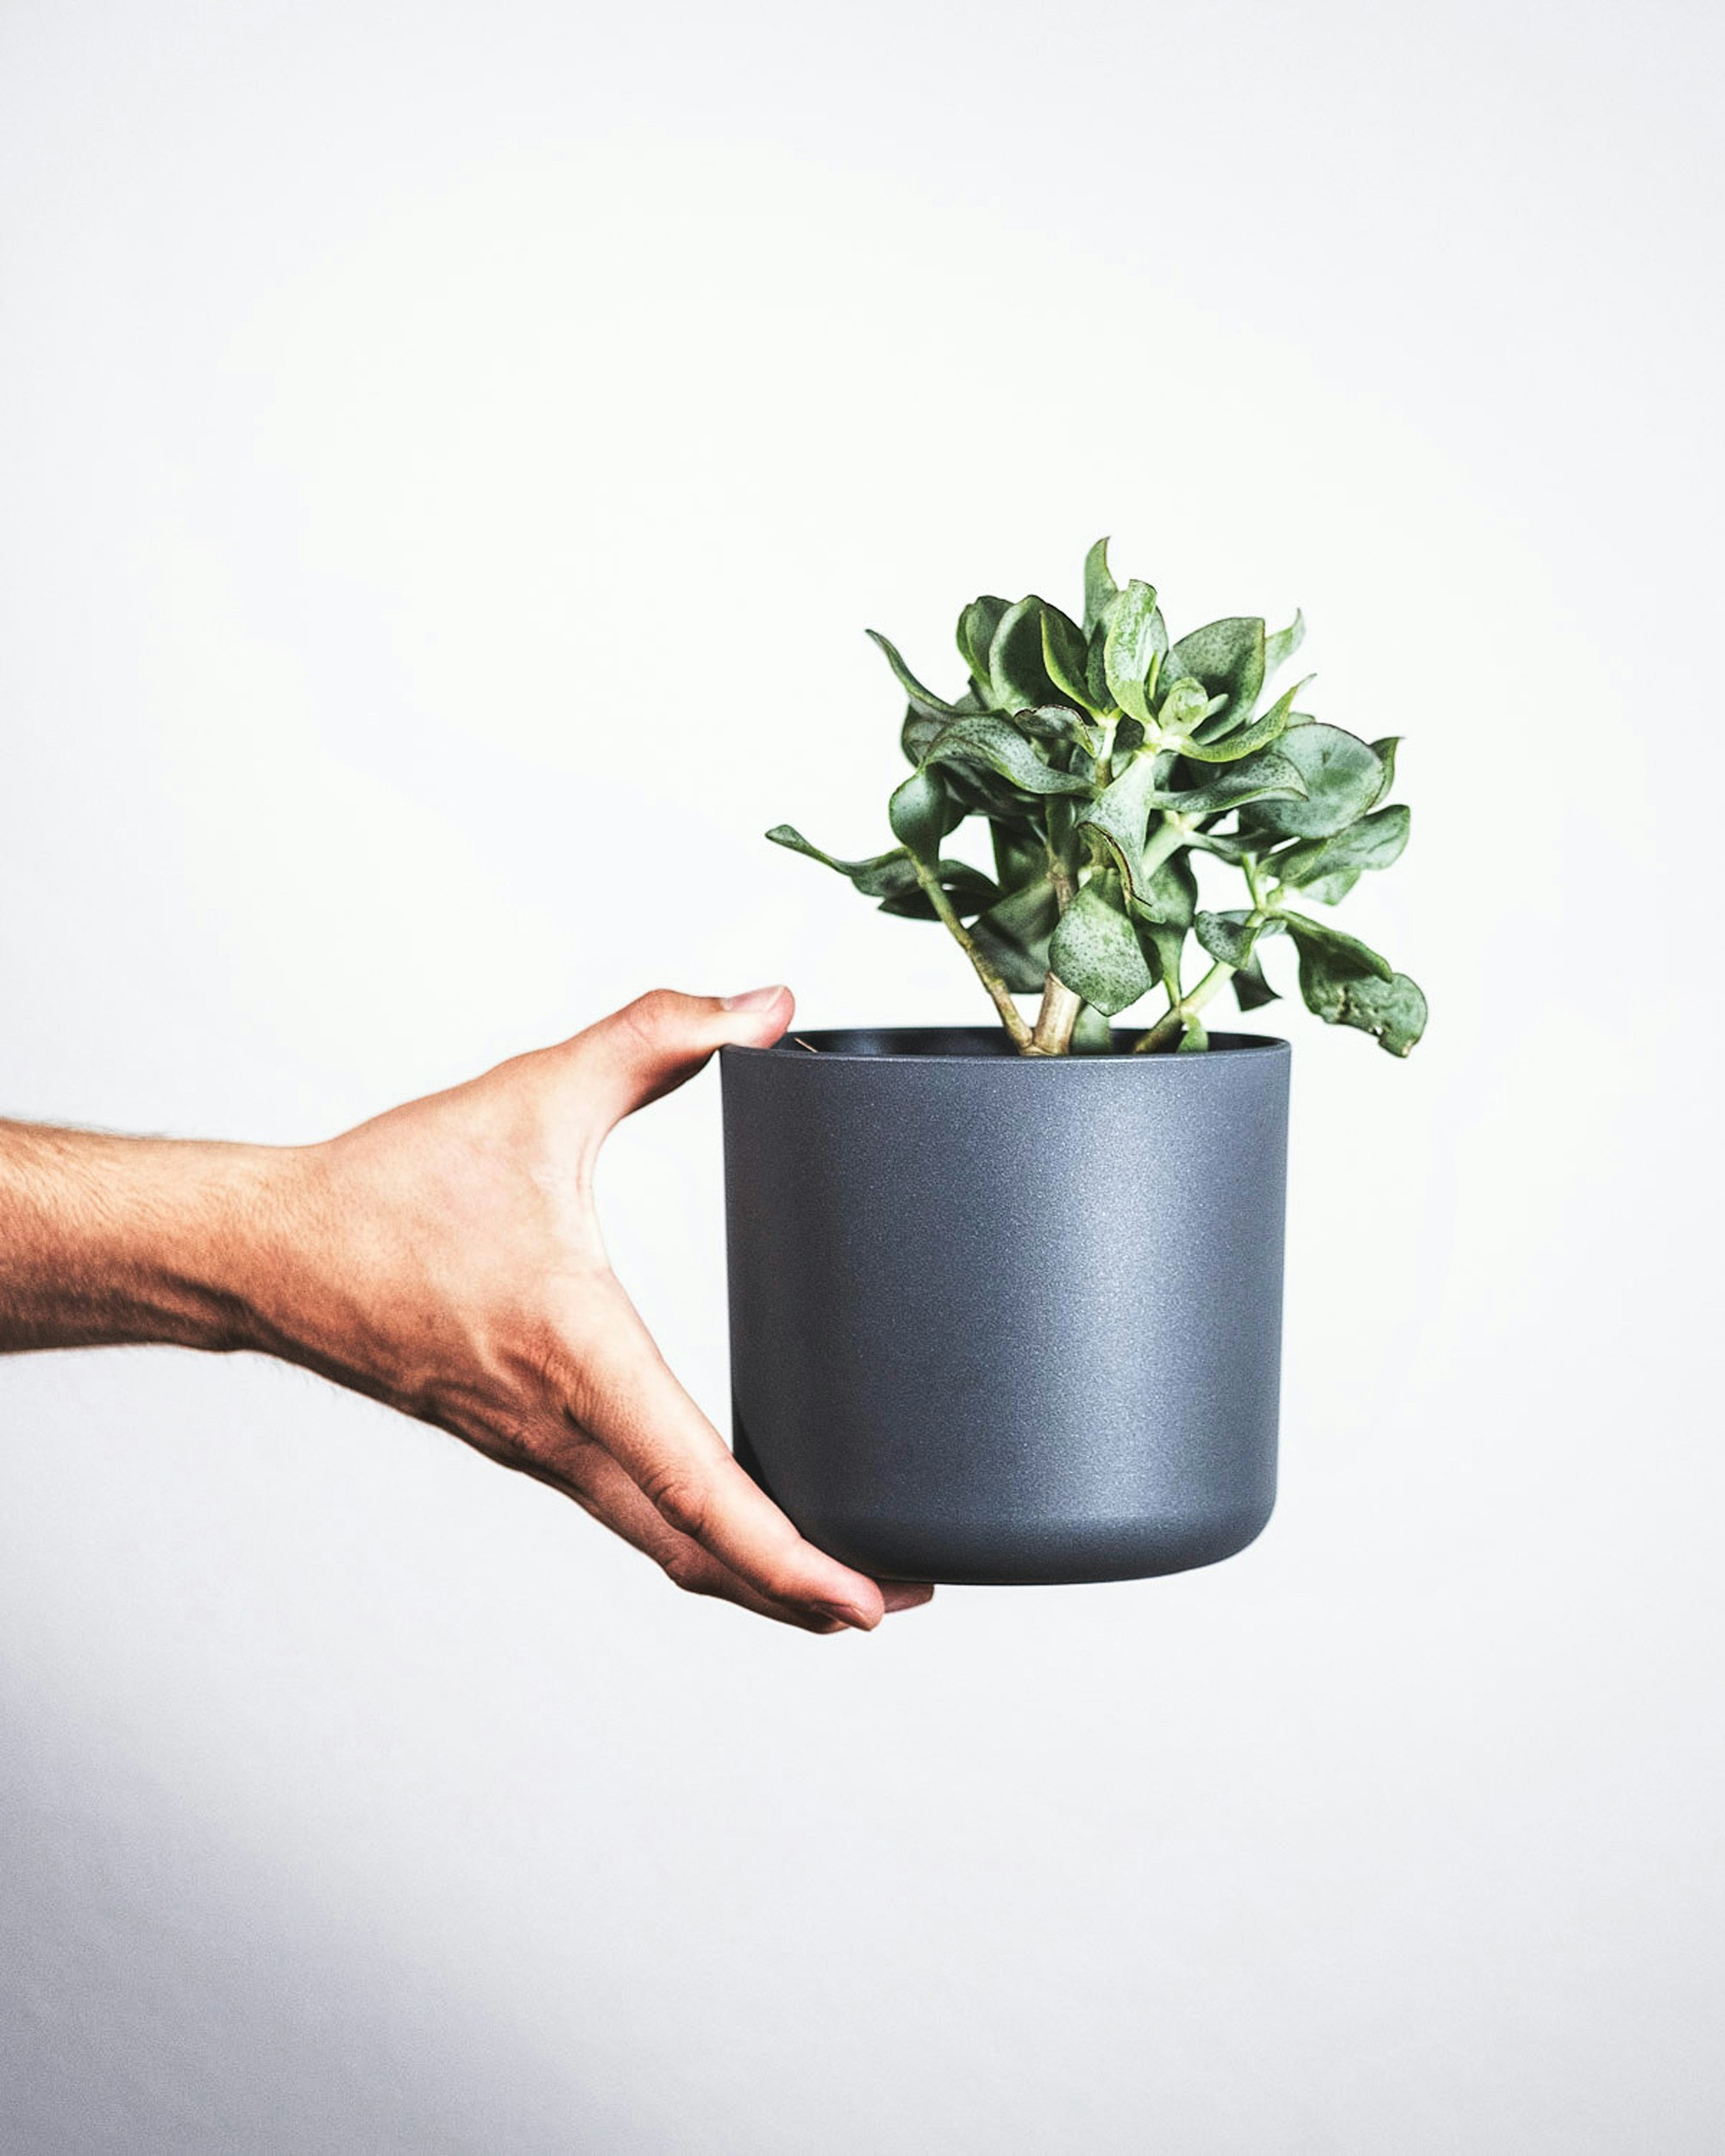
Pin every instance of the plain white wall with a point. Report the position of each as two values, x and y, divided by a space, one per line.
448 456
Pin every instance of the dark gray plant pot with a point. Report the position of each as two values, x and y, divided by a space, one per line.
1000 1319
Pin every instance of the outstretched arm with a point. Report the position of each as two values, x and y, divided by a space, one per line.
445 1259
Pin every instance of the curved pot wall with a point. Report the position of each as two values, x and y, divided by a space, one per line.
1000 1319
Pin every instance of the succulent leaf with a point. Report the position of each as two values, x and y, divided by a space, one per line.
1095 951
921 813
923 701
998 745
1066 657
1280 647
1099 588
976 627
1251 990
1013 935
1118 818
1266 775
1228 658
1017 675
1342 779
1134 647
1270 726
1337 952
1374 841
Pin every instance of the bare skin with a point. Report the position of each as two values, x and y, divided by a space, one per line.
445 1259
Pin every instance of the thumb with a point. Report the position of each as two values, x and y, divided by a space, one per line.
652 1045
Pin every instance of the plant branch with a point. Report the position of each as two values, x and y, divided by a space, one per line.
1175 1019
1179 1013
1010 1017
1056 1019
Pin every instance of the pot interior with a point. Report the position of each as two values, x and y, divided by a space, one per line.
961 1040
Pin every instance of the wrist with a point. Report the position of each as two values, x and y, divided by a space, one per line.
226 1242
305 1272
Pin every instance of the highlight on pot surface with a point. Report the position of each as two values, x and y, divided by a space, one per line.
1104 760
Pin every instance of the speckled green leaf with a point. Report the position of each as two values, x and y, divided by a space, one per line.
976 627
1065 656
1384 751
1226 846
1092 1032
1256 777
877 877
1281 645
1183 705
1118 818
1134 648
1392 1011
1342 779
892 877
1167 897
1251 990
1016 674
1164 944
996 744
1227 657
1021 857
1095 952
1331 890
1013 935
918 730
1333 948
1059 827
921 813
1268 727
1099 696
969 889
1229 937
1057 723
1371 842
923 702
1099 588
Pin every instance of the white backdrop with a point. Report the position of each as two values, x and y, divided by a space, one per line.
448 454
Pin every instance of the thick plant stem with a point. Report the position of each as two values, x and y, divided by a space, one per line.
1055 1021
1173 1022
1010 1017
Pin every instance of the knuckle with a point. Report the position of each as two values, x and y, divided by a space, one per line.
690 1568
682 1500
651 1017
548 1362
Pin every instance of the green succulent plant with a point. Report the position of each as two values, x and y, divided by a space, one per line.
1104 758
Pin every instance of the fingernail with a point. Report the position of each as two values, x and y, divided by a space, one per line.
900 1595
853 1618
752 998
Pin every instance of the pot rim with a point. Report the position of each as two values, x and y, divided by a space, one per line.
823 1044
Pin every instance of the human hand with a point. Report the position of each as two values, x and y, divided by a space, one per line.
447 1258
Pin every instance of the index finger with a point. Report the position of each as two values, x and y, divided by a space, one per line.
622 1393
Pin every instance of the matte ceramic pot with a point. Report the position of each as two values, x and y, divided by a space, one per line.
1003 1319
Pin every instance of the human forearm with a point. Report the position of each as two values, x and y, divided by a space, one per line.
446 1259
108 1240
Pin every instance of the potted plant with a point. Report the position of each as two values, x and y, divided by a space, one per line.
1005 1300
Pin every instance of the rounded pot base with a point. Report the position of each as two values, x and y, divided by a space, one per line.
1053 1555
